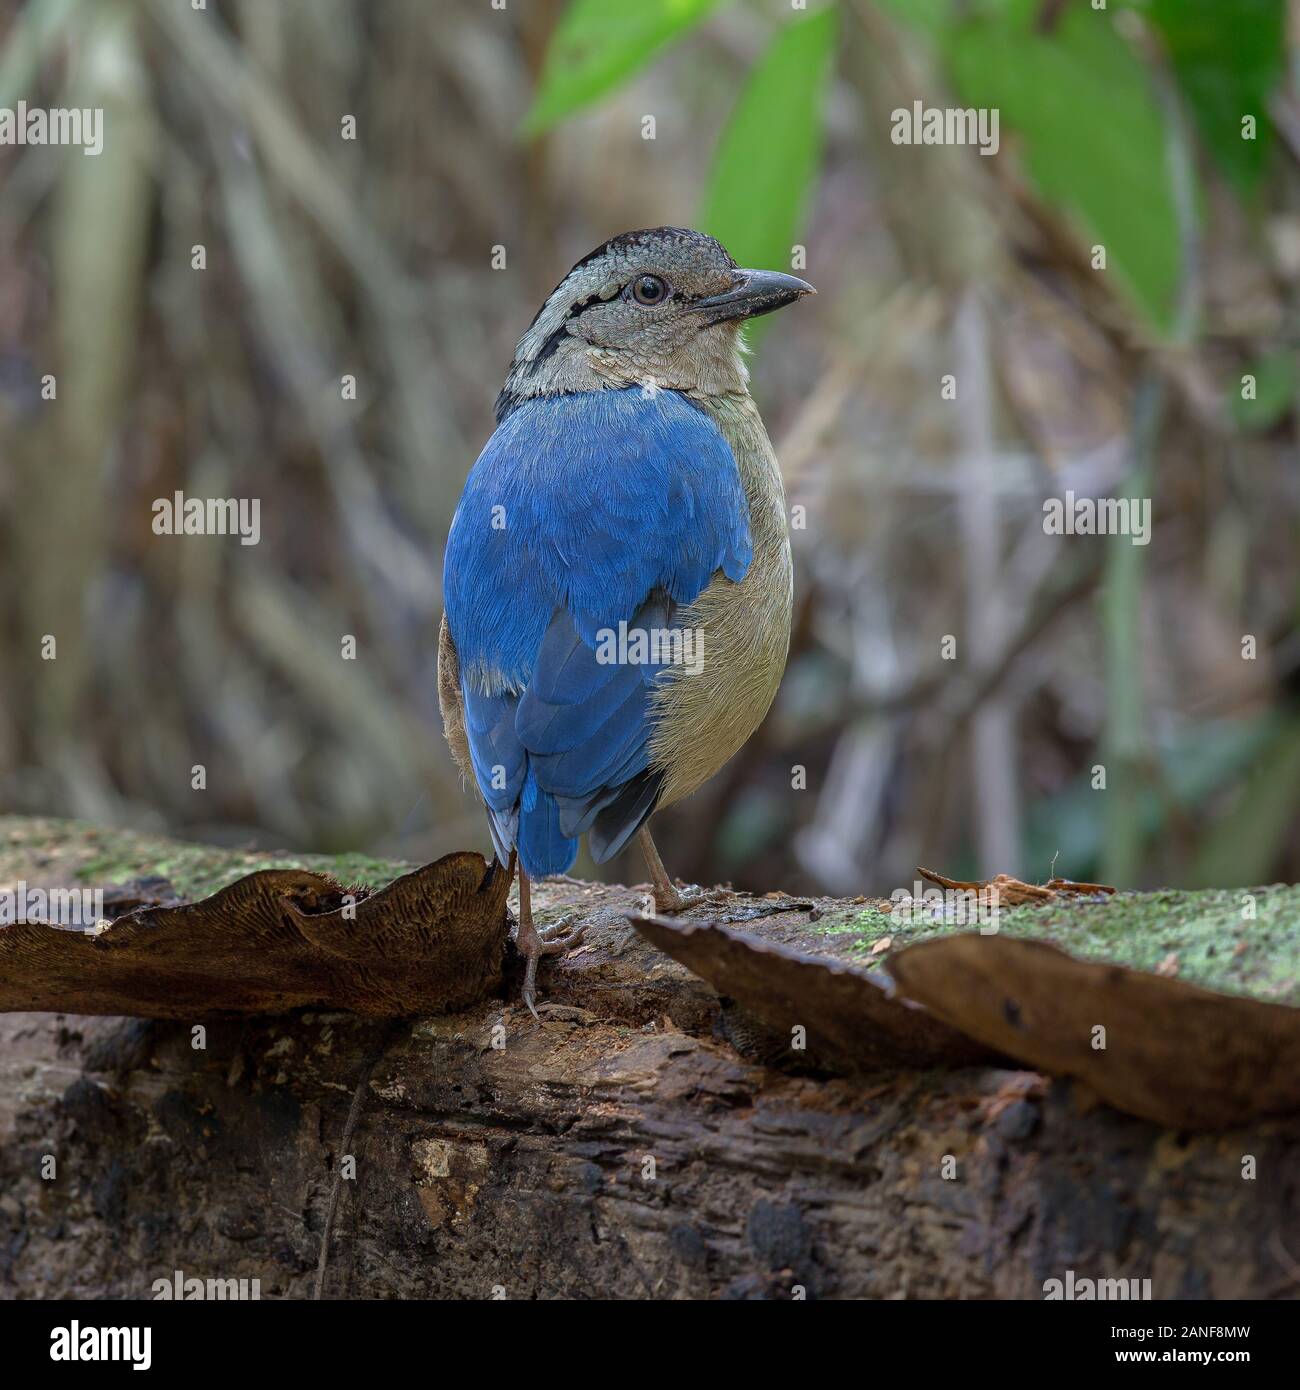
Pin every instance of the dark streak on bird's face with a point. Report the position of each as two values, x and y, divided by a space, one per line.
662 305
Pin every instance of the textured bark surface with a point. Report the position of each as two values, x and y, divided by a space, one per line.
496 1153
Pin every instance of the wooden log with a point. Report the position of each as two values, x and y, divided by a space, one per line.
621 1148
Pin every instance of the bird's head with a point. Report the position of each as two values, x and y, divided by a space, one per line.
660 307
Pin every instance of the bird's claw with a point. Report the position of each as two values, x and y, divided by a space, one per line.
676 900
559 936
551 940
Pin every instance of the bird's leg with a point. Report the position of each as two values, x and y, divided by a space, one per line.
668 897
534 942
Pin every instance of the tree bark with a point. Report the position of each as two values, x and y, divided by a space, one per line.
620 1148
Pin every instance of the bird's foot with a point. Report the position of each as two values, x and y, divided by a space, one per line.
535 942
670 900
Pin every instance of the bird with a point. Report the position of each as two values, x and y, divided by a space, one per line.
617 580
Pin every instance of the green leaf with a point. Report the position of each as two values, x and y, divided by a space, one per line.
769 151
1248 844
1195 766
1229 57
931 16
1276 384
1094 139
598 43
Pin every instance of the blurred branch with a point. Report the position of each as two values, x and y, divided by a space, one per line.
302 172
995 778
33 34
1125 742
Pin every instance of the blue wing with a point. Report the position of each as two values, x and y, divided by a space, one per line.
583 512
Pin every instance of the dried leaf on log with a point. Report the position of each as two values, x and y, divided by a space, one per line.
1013 892
850 1015
432 941
1170 1051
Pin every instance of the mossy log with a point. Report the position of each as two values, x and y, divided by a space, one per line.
641 1141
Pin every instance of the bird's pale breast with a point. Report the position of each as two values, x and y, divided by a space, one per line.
702 719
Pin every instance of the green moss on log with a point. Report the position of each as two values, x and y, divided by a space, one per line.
40 849
1206 937
1240 940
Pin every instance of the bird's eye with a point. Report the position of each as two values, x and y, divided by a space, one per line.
649 289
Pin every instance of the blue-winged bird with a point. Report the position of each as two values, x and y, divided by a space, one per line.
617 578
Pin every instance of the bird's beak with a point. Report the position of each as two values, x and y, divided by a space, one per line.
754 292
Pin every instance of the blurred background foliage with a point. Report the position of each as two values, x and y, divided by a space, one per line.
524 128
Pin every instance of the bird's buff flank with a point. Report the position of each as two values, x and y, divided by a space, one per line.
617 577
